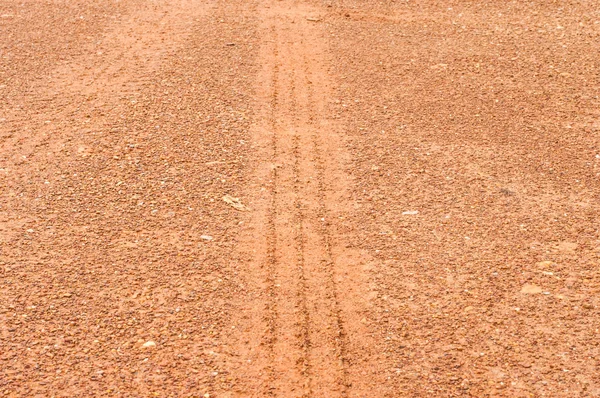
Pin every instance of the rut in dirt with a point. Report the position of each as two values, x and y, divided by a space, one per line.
301 344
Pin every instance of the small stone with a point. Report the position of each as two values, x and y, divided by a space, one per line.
531 289
149 344
544 264
206 237
410 212
236 203
567 246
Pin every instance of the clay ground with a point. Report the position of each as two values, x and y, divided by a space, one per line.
299 198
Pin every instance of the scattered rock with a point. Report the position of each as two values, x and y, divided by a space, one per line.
531 289
236 203
206 237
149 344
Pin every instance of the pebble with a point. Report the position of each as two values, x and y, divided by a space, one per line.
410 212
567 246
544 263
236 203
206 237
531 289
149 344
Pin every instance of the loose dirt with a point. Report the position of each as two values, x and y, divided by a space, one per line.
299 198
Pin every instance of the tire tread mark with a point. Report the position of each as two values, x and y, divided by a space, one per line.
300 248
271 266
322 213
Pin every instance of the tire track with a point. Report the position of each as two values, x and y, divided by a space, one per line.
326 332
292 347
272 237
323 230
304 350
300 243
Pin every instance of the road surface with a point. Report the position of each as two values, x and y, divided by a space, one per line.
299 198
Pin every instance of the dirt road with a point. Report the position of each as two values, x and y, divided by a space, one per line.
299 198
